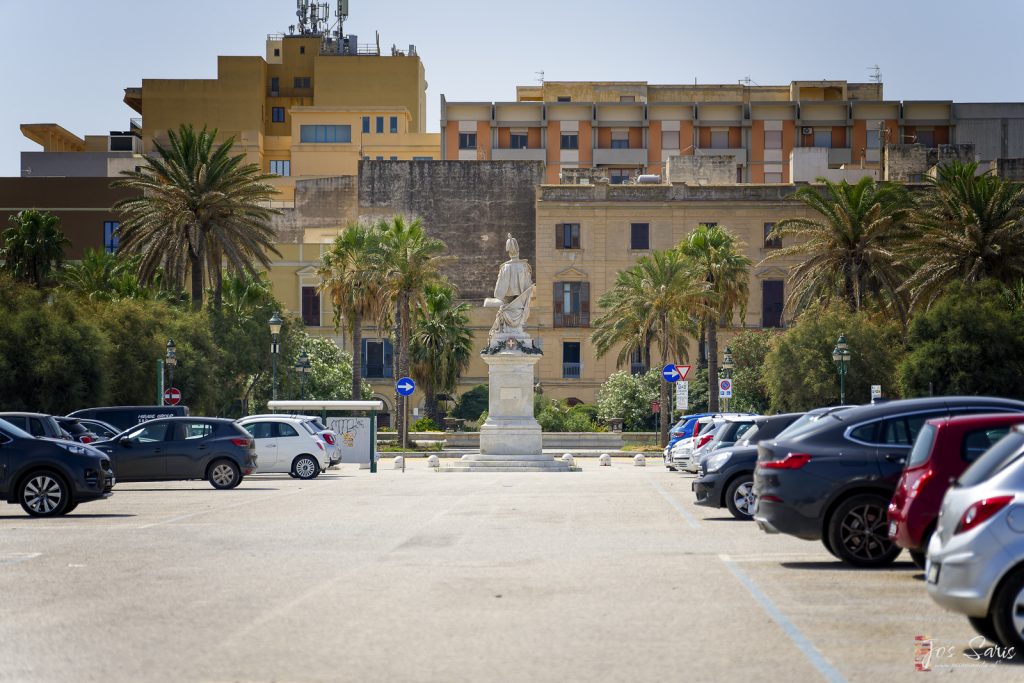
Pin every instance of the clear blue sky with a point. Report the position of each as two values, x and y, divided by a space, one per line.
68 61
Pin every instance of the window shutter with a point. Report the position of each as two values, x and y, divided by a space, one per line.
363 359
584 304
576 236
558 235
389 360
556 305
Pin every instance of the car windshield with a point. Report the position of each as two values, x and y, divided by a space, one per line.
12 431
922 445
1006 451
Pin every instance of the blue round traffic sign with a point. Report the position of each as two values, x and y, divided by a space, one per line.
405 386
669 373
725 385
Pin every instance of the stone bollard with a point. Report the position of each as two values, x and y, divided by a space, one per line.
604 460
567 458
433 461
566 455
639 460
399 462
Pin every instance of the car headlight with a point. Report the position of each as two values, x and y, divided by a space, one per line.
717 461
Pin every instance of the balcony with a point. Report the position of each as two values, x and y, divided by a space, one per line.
839 155
518 154
740 153
571 370
620 157
572 320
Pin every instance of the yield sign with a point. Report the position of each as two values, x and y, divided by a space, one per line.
172 397
406 386
683 371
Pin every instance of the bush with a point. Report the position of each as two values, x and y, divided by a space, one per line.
472 404
749 350
629 397
424 424
557 416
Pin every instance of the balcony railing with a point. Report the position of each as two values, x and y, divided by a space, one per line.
572 320
571 370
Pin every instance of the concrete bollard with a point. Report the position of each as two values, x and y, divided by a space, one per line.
639 460
399 462
433 461
566 455
568 459
604 460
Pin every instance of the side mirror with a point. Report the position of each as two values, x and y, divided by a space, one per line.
125 441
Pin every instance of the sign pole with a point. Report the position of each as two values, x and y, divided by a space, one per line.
373 441
160 381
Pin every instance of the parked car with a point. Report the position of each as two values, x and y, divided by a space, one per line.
943 450
728 430
704 431
37 424
727 474
103 430
126 417
974 564
181 448
681 430
326 434
287 444
76 430
50 477
833 482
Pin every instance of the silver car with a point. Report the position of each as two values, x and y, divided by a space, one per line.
975 562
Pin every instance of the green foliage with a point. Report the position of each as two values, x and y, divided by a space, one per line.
425 424
800 373
629 397
749 350
558 416
32 247
472 403
441 344
971 341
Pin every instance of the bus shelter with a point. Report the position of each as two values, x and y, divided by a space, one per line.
357 434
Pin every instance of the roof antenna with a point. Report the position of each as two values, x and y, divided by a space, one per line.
876 73
540 77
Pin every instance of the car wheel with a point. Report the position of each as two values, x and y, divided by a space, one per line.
740 498
918 557
859 533
224 474
306 467
44 494
985 627
1007 612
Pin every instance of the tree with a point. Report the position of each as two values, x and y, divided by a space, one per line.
408 260
32 246
629 397
749 350
350 279
652 301
970 341
967 227
441 345
800 374
472 404
198 206
714 255
330 373
848 251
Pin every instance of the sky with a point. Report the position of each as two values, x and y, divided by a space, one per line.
68 61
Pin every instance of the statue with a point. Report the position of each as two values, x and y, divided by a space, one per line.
512 294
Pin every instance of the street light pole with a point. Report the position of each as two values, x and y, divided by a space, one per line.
302 367
841 357
275 348
727 366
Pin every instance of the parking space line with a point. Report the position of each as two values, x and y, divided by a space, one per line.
675 503
17 558
794 634
180 518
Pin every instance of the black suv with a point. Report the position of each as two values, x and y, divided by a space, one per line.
833 483
37 424
50 477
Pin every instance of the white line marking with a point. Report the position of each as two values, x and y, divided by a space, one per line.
17 558
180 518
676 504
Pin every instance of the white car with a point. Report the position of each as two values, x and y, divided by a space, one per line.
326 434
288 445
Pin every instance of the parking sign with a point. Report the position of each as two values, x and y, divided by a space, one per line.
725 388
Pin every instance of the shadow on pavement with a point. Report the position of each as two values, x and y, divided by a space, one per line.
836 565
68 516
198 489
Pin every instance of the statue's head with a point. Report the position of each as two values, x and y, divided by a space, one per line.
512 246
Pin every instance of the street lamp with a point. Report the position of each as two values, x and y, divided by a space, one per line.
841 357
275 348
302 367
171 359
727 366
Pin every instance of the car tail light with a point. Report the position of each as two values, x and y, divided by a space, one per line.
242 443
770 499
86 439
329 438
977 514
696 429
792 461
703 440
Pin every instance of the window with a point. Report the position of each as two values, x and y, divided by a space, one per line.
186 431
772 302
564 98
260 430
302 82
277 52
637 366
772 177
822 137
872 139
670 139
567 236
281 167
394 124
571 360
366 124
570 140
423 158
150 433
377 358
110 236
720 139
380 124
275 85
329 134
619 176
773 242
925 136
310 307
620 139
572 304
773 139
467 140
394 158
639 236
980 440
277 114
380 158
302 49
865 433
627 98
285 430
518 139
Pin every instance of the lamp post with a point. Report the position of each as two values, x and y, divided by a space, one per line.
841 357
302 367
275 348
170 359
727 366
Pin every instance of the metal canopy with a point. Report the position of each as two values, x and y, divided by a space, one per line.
301 406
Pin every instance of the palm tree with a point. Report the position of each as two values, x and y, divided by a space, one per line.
653 301
441 345
848 250
350 277
714 254
408 260
199 206
966 228
103 276
33 246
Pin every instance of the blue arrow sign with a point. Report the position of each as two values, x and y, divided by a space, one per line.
669 373
406 386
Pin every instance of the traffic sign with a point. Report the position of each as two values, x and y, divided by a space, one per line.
172 397
655 406
876 391
406 386
725 388
682 395
683 371
670 373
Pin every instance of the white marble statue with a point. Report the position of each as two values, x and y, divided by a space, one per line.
512 294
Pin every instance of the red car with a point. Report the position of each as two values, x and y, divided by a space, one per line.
944 448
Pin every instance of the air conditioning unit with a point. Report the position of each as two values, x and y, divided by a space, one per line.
807 130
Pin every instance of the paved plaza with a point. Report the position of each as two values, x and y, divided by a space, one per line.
609 574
